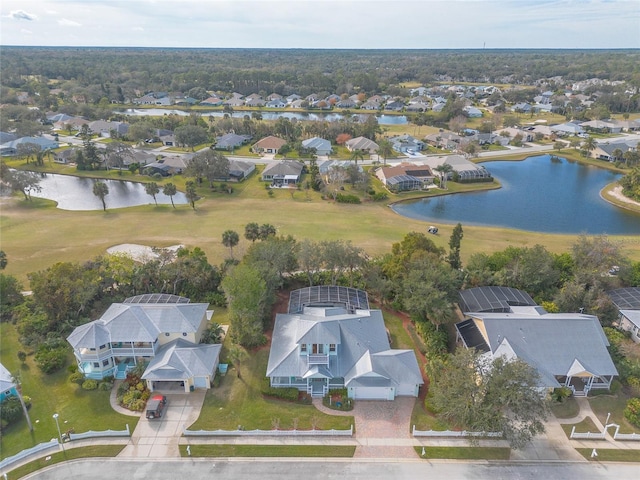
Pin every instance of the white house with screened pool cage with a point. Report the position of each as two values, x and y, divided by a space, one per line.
161 331
330 339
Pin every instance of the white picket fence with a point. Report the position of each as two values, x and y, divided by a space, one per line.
101 433
601 435
41 447
586 436
267 433
452 433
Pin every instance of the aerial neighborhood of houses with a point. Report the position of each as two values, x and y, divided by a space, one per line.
422 154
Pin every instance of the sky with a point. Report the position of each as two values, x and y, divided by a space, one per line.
421 24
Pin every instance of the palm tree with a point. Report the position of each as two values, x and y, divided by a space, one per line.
237 355
230 239
101 190
16 379
589 144
170 190
385 149
617 154
444 170
357 155
152 189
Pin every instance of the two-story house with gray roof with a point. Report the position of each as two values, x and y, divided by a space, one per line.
332 339
163 331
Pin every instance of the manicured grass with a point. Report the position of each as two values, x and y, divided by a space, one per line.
28 226
399 336
69 454
79 409
567 409
584 426
269 451
610 455
614 404
465 453
239 401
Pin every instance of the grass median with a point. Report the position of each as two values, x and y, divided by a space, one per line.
464 453
268 451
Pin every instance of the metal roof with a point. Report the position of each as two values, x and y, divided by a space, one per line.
493 299
626 298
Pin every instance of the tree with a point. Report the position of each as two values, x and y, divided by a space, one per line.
208 164
246 293
385 149
170 190
191 135
10 296
101 190
18 382
558 145
213 334
23 181
192 195
116 154
141 131
484 395
237 355
266 230
617 154
589 145
152 189
444 170
357 155
230 239
252 231
454 247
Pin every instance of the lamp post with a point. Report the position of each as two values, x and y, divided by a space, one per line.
55 417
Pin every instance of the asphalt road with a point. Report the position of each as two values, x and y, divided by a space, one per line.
321 469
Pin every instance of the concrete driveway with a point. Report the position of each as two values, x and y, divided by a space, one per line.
159 437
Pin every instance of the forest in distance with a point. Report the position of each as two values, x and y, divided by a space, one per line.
306 71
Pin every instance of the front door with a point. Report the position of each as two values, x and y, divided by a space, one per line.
317 348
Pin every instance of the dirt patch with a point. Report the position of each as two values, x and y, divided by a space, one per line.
140 253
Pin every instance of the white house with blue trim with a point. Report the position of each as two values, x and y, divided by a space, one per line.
7 385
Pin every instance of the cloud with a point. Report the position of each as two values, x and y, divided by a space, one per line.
68 23
138 29
25 31
22 15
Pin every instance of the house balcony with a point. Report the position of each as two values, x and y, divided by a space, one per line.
86 355
133 352
318 359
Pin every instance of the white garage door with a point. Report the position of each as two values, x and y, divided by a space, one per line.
371 393
200 382
406 390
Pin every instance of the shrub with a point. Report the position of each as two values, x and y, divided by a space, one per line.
10 409
290 394
77 377
105 386
50 359
560 394
347 198
73 368
634 385
380 196
632 411
89 384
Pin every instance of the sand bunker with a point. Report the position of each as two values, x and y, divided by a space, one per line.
139 253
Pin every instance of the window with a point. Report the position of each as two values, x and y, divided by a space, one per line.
184 334
102 346
96 365
332 347
303 348
92 349
167 334
105 362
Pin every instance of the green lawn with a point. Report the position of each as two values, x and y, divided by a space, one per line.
465 453
399 336
269 451
614 404
239 401
567 409
610 455
78 409
584 426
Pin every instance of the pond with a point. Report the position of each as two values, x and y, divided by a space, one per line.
541 194
76 193
302 116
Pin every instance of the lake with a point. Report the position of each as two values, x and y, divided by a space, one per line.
76 193
540 194
302 116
